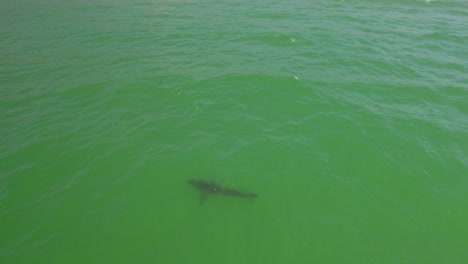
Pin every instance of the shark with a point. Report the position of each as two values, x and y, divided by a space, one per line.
206 188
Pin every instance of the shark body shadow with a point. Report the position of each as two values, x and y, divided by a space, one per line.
209 188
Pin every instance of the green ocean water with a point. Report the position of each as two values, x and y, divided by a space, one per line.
348 119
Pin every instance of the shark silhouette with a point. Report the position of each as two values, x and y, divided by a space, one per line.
207 188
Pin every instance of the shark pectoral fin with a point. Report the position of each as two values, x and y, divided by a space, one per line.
203 196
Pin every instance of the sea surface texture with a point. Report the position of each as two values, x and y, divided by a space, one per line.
348 119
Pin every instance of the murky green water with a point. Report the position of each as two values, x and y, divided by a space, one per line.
347 118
